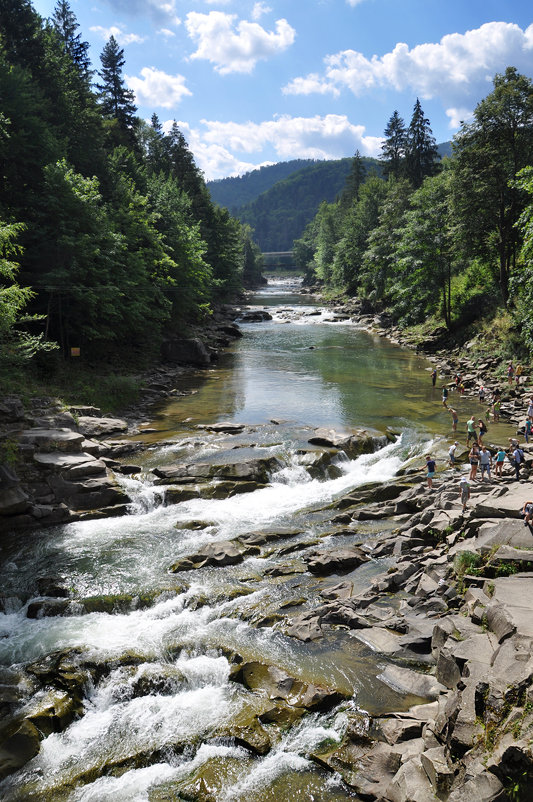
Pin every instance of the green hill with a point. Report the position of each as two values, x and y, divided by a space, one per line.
236 191
279 215
279 200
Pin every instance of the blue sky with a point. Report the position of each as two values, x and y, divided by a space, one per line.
252 83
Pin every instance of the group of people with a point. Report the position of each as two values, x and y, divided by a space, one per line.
480 457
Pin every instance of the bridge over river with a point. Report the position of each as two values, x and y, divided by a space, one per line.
279 260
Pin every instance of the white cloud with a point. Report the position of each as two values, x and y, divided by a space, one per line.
166 32
458 116
235 48
458 69
218 146
156 88
259 10
121 36
354 2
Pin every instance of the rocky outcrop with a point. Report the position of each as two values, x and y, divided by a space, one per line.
57 474
186 351
353 443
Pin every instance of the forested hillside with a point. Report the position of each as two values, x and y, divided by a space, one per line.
278 201
449 240
109 238
279 216
234 192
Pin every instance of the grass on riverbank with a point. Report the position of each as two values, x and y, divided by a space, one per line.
107 386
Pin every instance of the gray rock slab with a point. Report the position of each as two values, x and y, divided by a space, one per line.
60 461
101 427
406 680
47 440
379 639
482 787
512 602
410 784
437 769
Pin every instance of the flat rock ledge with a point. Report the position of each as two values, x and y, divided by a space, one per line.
62 465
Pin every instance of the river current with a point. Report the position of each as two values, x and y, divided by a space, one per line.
153 726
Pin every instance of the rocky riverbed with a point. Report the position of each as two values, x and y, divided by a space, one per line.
449 613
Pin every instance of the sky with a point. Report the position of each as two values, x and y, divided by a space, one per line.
257 82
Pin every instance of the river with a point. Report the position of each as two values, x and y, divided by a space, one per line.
154 723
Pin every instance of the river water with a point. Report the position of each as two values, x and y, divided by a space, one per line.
153 725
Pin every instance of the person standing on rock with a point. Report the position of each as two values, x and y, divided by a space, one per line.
500 459
464 492
518 457
510 373
451 454
485 463
430 468
482 431
481 393
517 374
455 418
471 430
527 430
473 458
530 409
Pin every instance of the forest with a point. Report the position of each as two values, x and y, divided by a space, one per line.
109 239
442 243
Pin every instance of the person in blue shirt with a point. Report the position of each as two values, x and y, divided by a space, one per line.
430 467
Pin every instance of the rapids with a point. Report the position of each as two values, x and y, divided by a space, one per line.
155 723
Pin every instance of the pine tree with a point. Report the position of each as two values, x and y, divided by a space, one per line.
354 181
421 148
66 25
394 147
116 101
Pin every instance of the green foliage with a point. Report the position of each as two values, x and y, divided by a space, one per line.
394 147
122 242
489 153
116 101
16 344
280 215
425 252
522 285
360 220
420 148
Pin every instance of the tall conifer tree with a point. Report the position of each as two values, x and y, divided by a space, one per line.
66 25
116 101
354 180
422 151
394 147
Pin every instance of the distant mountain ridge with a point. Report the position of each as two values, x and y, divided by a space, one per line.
234 192
278 200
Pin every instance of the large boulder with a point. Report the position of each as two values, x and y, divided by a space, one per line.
254 470
224 552
101 427
336 560
187 351
353 443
